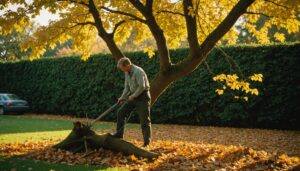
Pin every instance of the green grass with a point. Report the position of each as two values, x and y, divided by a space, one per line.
27 164
15 124
22 129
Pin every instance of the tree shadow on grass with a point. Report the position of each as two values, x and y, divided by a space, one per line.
20 163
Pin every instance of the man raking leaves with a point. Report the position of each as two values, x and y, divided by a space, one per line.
83 138
136 90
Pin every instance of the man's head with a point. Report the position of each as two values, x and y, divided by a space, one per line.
124 64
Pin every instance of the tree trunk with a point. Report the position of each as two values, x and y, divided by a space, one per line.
158 85
82 138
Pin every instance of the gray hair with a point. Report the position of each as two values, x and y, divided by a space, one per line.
123 62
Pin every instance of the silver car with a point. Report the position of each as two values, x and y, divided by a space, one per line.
11 103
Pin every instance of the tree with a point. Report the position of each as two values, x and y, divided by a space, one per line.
203 23
9 47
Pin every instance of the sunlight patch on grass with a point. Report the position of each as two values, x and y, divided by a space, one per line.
33 136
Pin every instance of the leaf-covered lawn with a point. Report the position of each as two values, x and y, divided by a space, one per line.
182 147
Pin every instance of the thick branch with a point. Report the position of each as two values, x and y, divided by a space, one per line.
108 38
191 29
238 10
149 5
123 13
157 32
190 64
138 5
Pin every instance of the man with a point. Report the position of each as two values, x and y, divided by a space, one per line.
136 90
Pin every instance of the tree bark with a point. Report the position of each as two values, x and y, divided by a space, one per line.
82 137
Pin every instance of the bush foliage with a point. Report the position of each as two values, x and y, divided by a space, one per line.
73 87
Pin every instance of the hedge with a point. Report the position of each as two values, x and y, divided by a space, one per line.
73 87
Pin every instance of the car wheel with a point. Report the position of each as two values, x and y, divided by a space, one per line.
1 110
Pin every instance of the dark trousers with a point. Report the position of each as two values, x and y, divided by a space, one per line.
141 105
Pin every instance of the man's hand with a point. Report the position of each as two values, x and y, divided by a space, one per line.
121 101
130 98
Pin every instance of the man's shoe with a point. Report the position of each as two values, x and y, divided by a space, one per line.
146 145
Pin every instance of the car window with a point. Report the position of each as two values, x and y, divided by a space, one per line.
12 97
4 98
1 98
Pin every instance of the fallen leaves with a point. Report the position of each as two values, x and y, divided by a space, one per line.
176 155
183 148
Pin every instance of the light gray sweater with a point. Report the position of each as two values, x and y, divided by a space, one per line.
136 81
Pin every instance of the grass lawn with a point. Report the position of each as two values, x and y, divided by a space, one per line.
22 129
18 163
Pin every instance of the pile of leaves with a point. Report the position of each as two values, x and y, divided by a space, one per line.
176 155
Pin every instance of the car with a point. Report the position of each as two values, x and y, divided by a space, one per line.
11 103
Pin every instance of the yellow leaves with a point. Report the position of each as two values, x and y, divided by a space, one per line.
219 91
150 51
11 21
256 77
232 81
282 17
243 98
191 11
254 91
133 158
220 77
280 37
122 33
283 156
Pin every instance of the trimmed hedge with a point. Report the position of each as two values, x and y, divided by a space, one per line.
73 87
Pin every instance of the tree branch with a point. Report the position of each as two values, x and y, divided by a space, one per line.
123 13
149 5
258 13
238 10
108 38
171 12
190 64
117 25
157 32
277 4
191 29
138 5
85 23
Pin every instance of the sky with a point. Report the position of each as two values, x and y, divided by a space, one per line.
42 19
45 17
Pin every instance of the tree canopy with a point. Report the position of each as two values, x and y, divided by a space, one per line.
118 17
